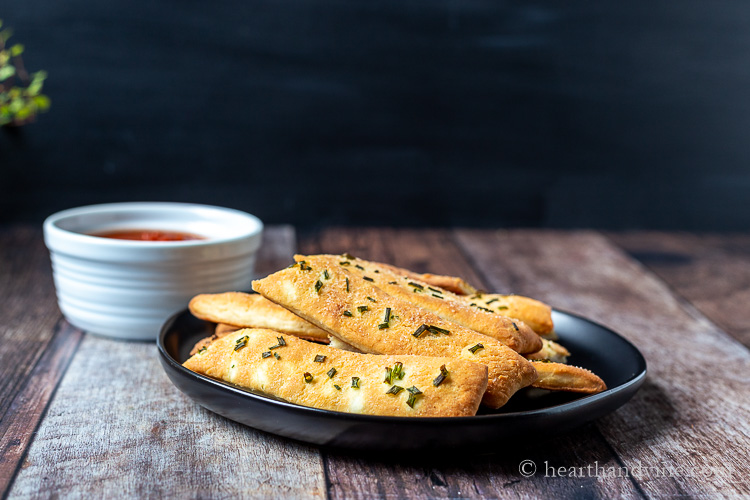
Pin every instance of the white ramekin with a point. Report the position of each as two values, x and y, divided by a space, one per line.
127 289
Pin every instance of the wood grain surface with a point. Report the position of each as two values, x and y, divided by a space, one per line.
36 343
84 416
118 428
711 271
691 419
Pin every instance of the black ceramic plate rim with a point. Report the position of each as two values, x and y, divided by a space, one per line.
583 402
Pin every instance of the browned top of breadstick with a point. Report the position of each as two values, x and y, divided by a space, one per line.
534 313
252 311
266 361
453 284
513 333
560 377
366 317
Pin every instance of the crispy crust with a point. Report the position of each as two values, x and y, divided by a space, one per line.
458 395
513 333
534 313
551 351
295 289
560 377
449 283
248 310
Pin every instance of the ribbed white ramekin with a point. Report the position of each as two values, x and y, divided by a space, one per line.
127 289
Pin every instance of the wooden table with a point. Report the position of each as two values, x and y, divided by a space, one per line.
86 416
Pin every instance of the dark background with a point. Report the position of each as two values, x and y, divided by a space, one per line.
390 112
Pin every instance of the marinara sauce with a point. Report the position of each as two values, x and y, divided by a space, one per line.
149 235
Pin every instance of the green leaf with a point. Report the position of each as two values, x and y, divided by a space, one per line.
5 34
6 72
42 102
16 105
16 50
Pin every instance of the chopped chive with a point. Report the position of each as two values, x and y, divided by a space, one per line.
319 358
331 372
435 290
476 348
337 387
435 330
347 255
345 263
241 342
303 266
266 354
515 326
383 326
398 371
416 285
500 308
419 331
347 284
485 309
362 309
436 295
541 360
359 267
202 349
367 278
347 313
308 377
318 286
326 275
395 389
371 299
387 315
232 366
355 382
473 304
376 271
413 393
393 282
281 343
276 355
443 375
388 375
491 301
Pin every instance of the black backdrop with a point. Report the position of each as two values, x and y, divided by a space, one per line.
390 112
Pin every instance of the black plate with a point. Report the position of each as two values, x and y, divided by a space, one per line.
529 412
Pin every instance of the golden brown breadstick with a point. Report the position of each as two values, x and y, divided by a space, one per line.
252 311
366 317
449 283
551 351
319 376
513 333
534 313
560 377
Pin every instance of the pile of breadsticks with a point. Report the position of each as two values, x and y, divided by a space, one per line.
344 334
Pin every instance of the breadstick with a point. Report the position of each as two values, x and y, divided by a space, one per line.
513 333
319 376
360 314
252 311
534 313
551 351
560 377
449 283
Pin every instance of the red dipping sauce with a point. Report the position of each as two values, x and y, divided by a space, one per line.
148 235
